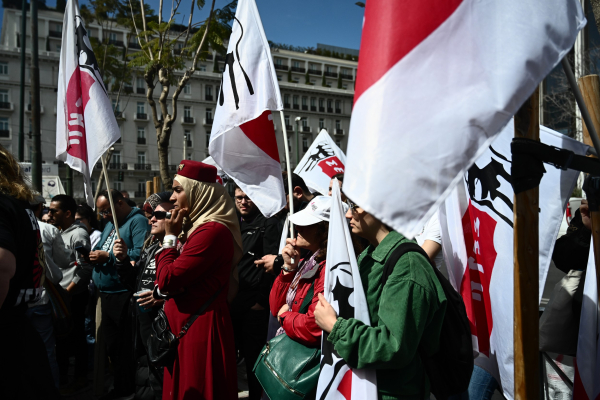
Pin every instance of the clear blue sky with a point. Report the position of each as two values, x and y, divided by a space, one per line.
295 22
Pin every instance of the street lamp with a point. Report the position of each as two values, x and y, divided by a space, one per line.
297 141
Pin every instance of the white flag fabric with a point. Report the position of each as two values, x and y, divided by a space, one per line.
85 123
434 88
587 362
322 160
221 176
242 141
344 291
477 241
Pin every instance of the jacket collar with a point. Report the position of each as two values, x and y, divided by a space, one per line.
74 226
381 252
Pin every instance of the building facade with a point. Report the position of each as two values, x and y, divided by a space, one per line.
317 92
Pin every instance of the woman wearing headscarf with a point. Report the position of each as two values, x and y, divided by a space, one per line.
204 221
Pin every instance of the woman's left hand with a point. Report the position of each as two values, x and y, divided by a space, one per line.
284 308
174 225
325 315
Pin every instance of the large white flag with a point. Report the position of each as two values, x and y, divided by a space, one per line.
587 362
85 123
322 160
477 241
242 141
344 291
221 176
437 81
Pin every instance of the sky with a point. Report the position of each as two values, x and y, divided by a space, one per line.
294 22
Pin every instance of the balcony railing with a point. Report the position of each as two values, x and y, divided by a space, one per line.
141 140
331 74
188 143
208 97
5 105
116 166
140 90
189 120
306 129
119 115
338 131
281 67
321 109
55 34
304 107
118 43
299 69
313 108
142 116
4 133
315 72
173 167
140 195
209 57
289 128
220 58
347 76
135 45
329 109
286 105
338 110
142 167
208 121
296 106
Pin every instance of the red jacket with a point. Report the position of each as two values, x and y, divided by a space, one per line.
300 327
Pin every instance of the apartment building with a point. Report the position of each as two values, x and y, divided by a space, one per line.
317 92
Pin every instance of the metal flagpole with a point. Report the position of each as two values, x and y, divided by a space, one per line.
110 199
289 173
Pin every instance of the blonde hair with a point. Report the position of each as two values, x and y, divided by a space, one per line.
12 179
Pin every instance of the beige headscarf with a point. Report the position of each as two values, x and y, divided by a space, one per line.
209 202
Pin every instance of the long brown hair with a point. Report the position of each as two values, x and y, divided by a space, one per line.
12 179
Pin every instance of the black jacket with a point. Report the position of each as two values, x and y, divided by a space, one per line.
260 237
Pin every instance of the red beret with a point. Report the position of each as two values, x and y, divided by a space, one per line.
197 171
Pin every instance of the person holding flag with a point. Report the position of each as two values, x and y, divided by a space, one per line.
406 313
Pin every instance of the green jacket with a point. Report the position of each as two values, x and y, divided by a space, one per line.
408 311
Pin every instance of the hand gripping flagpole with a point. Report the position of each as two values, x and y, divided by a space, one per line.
289 173
110 199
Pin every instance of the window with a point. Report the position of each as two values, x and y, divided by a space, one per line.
59 28
209 114
338 143
304 121
187 135
207 140
208 92
286 99
189 156
345 71
279 77
295 99
287 120
112 37
321 104
118 185
313 102
278 61
141 132
321 123
338 124
141 157
58 48
116 106
141 108
4 131
93 184
329 68
329 105
337 104
140 84
3 96
141 187
3 68
116 157
296 64
202 68
304 144
187 89
187 114
345 86
304 101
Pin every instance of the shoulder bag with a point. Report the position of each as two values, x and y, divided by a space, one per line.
287 369
162 343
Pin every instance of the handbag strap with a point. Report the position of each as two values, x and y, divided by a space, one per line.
197 314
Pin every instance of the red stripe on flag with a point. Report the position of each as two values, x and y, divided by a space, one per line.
391 30
262 133
345 386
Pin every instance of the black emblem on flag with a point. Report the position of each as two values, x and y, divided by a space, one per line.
488 178
229 62
322 151
85 55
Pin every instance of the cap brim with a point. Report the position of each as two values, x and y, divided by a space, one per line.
304 218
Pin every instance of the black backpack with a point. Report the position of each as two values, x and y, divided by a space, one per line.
449 370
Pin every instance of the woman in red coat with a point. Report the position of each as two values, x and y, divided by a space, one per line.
291 286
204 219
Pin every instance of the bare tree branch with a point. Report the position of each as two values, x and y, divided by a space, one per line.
187 32
144 25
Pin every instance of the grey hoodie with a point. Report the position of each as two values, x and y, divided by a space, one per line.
77 270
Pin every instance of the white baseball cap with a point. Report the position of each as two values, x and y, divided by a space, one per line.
316 211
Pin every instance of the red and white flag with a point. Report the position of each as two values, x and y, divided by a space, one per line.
344 291
322 161
587 362
242 141
477 240
85 123
221 176
437 80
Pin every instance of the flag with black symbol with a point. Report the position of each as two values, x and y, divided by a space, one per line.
85 123
344 291
242 141
322 161
477 240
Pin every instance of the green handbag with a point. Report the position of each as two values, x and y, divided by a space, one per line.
287 369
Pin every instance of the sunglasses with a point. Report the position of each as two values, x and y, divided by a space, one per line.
161 214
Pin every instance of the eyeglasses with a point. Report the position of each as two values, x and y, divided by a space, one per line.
104 213
353 206
240 198
161 214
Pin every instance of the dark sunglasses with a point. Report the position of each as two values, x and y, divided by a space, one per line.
161 214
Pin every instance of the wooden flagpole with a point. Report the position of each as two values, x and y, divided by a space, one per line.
526 271
289 172
149 187
110 199
156 181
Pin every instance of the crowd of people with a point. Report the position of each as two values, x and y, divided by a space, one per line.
214 268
